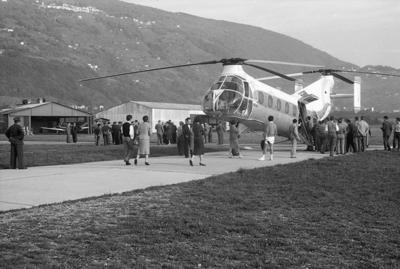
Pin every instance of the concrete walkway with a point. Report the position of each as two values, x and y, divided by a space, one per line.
50 184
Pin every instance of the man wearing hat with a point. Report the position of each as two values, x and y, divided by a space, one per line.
15 135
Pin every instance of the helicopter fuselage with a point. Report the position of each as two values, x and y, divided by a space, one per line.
237 95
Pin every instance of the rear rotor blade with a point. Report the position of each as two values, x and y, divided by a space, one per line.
271 71
282 63
149 70
342 78
369 73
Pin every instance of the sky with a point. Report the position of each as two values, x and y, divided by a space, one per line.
363 32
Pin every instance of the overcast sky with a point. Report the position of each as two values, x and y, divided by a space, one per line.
358 31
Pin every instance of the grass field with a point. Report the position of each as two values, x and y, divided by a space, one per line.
338 212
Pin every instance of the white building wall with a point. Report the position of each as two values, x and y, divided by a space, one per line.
119 113
173 114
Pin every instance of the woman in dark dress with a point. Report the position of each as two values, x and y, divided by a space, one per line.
198 141
234 140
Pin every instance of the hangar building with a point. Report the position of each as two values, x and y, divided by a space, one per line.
44 117
156 111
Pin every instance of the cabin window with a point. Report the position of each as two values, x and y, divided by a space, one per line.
261 97
270 101
287 108
294 111
278 104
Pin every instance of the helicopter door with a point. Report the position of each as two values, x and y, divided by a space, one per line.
303 132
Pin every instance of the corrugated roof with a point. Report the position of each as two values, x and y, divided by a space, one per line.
158 105
34 105
21 107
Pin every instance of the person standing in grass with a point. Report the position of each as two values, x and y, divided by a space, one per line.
341 137
350 139
386 132
270 132
309 127
128 135
220 133
144 133
363 129
205 127
294 137
332 129
118 134
160 132
396 135
179 138
74 132
15 135
198 141
105 131
187 137
68 132
322 136
234 149
115 133
210 131
97 131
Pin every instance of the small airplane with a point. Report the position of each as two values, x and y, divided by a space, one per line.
239 96
81 128
55 129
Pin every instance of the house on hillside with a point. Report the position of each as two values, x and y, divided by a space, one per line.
45 117
155 110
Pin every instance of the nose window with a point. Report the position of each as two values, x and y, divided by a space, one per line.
229 94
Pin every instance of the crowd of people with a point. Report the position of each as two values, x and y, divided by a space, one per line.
189 138
337 136
341 136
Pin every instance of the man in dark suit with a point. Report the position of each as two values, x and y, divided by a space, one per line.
15 135
186 133
386 132
74 132
128 134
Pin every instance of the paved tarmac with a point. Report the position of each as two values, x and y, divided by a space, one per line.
51 184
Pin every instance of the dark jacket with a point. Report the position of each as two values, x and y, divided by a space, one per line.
386 128
15 134
186 132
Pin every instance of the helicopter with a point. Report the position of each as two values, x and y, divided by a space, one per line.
238 96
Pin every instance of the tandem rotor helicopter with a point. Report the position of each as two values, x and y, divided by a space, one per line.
239 96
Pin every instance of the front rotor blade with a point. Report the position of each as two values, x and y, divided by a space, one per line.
271 71
369 73
283 63
342 78
149 70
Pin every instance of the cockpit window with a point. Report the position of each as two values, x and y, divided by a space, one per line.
218 84
229 94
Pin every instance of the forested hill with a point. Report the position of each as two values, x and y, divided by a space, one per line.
47 46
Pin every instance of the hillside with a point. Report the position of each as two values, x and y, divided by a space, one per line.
47 46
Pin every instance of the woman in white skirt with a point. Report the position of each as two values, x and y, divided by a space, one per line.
144 132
